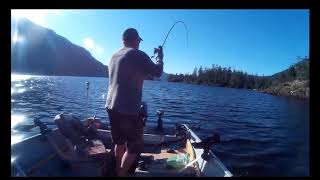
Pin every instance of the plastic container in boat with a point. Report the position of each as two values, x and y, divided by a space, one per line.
178 161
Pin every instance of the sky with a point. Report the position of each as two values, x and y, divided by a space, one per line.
261 42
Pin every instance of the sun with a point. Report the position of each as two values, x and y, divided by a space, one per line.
36 16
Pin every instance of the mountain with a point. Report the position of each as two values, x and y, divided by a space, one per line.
41 51
299 70
293 81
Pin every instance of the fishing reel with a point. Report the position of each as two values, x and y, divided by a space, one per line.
156 51
206 144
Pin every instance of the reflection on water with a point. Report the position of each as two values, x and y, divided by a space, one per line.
21 90
262 135
44 97
20 93
16 119
20 77
18 85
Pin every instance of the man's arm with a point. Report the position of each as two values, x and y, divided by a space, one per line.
148 67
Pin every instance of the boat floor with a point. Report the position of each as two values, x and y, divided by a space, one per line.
53 165
154 167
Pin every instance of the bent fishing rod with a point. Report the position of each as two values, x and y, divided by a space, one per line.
156 50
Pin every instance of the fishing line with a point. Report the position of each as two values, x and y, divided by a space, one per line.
156 49
172 28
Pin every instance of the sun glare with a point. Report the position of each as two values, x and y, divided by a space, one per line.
16 38
36 16
88 43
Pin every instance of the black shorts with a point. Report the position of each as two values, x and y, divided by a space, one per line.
126 130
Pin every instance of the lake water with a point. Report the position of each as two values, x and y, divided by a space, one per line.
262 135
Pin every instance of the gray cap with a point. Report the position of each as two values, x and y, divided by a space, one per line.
131 34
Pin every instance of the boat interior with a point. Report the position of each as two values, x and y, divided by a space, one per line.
60 158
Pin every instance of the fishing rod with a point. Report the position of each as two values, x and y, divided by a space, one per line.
156 50
94 117
87 83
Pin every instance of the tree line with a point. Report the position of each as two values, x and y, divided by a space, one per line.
227 77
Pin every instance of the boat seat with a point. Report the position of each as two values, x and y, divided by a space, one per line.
70 141
67 152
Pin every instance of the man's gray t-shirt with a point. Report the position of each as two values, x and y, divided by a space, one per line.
127 69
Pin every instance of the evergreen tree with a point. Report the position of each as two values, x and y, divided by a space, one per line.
216 75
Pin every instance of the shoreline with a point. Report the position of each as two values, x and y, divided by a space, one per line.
298 89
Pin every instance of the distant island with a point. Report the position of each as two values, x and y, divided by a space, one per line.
43 52
294 81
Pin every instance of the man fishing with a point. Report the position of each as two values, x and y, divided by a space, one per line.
128 68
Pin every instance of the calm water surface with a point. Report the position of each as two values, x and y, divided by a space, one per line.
262 135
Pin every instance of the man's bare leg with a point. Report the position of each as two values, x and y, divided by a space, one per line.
119 150
127 160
